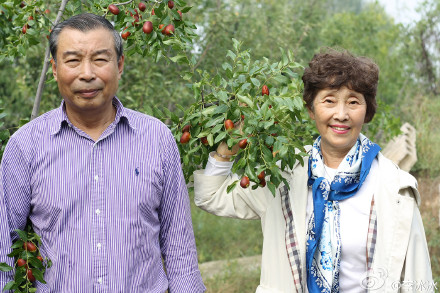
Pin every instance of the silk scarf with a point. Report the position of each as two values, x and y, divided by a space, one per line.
323 235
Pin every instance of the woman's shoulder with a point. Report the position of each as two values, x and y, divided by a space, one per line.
391 174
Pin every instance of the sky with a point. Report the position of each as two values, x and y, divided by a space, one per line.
403 11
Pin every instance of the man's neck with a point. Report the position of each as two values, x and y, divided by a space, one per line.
92 122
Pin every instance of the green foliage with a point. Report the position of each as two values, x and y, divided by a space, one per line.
271 124
384 44
33 266
36 18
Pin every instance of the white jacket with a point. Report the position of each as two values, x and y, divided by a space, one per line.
401 261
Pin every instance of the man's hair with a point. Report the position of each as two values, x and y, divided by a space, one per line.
335 69
84 22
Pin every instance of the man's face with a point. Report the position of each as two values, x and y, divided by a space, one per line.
87 70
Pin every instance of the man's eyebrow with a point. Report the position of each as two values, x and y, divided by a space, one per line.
103 51
68 53
76 53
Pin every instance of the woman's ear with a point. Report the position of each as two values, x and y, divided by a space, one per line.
311 113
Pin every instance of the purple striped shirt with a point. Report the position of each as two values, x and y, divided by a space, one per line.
106 211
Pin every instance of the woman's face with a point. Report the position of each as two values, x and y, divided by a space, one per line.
339 115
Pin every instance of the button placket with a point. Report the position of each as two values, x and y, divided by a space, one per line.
97 214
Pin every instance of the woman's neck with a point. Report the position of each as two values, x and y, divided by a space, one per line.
332 159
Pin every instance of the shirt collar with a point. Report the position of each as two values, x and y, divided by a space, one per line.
60 116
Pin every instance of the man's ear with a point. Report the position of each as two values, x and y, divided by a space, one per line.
54 68
121 66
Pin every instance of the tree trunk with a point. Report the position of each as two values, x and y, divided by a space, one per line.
46 65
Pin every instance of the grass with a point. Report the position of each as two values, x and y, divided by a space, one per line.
219 238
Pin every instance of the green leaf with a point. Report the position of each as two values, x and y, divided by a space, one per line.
285 59
186 9
32 289
231 55
221 109
220 137
236 44
217 128
231 186
176 58
38 275
9 286
282 79
227 66
16 252
214 121
4 267
255 82
271 187
210 138
187 75
246 100
17 244
35 262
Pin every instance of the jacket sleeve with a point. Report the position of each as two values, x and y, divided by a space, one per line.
210 194
417 274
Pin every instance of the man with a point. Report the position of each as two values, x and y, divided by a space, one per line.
101 184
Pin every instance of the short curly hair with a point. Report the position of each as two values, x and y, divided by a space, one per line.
335 69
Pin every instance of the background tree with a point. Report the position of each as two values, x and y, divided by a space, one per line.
407 55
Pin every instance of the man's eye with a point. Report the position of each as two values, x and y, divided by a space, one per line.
72 60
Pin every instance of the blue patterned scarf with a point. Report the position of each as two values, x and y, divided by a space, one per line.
324 243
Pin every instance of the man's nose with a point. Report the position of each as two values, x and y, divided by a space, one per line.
87 71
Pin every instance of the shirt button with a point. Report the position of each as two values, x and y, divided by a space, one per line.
97 211
98 245
99 280
96 177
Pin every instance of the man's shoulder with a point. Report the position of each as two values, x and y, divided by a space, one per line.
43 123
142 121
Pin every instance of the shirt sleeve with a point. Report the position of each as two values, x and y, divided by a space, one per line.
176 233
217 168
15 194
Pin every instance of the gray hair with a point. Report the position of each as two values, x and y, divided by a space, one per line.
84 22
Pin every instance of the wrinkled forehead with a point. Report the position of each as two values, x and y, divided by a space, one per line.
99 39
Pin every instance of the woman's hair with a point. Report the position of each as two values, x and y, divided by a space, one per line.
335 69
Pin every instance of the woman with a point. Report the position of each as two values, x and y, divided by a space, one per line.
350 221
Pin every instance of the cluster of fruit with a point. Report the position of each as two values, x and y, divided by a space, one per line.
147 27
30 247
263 130
29 265
244 182
27 25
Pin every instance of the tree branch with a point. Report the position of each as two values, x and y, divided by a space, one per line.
43 75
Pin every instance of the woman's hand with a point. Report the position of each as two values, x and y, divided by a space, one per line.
224 154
